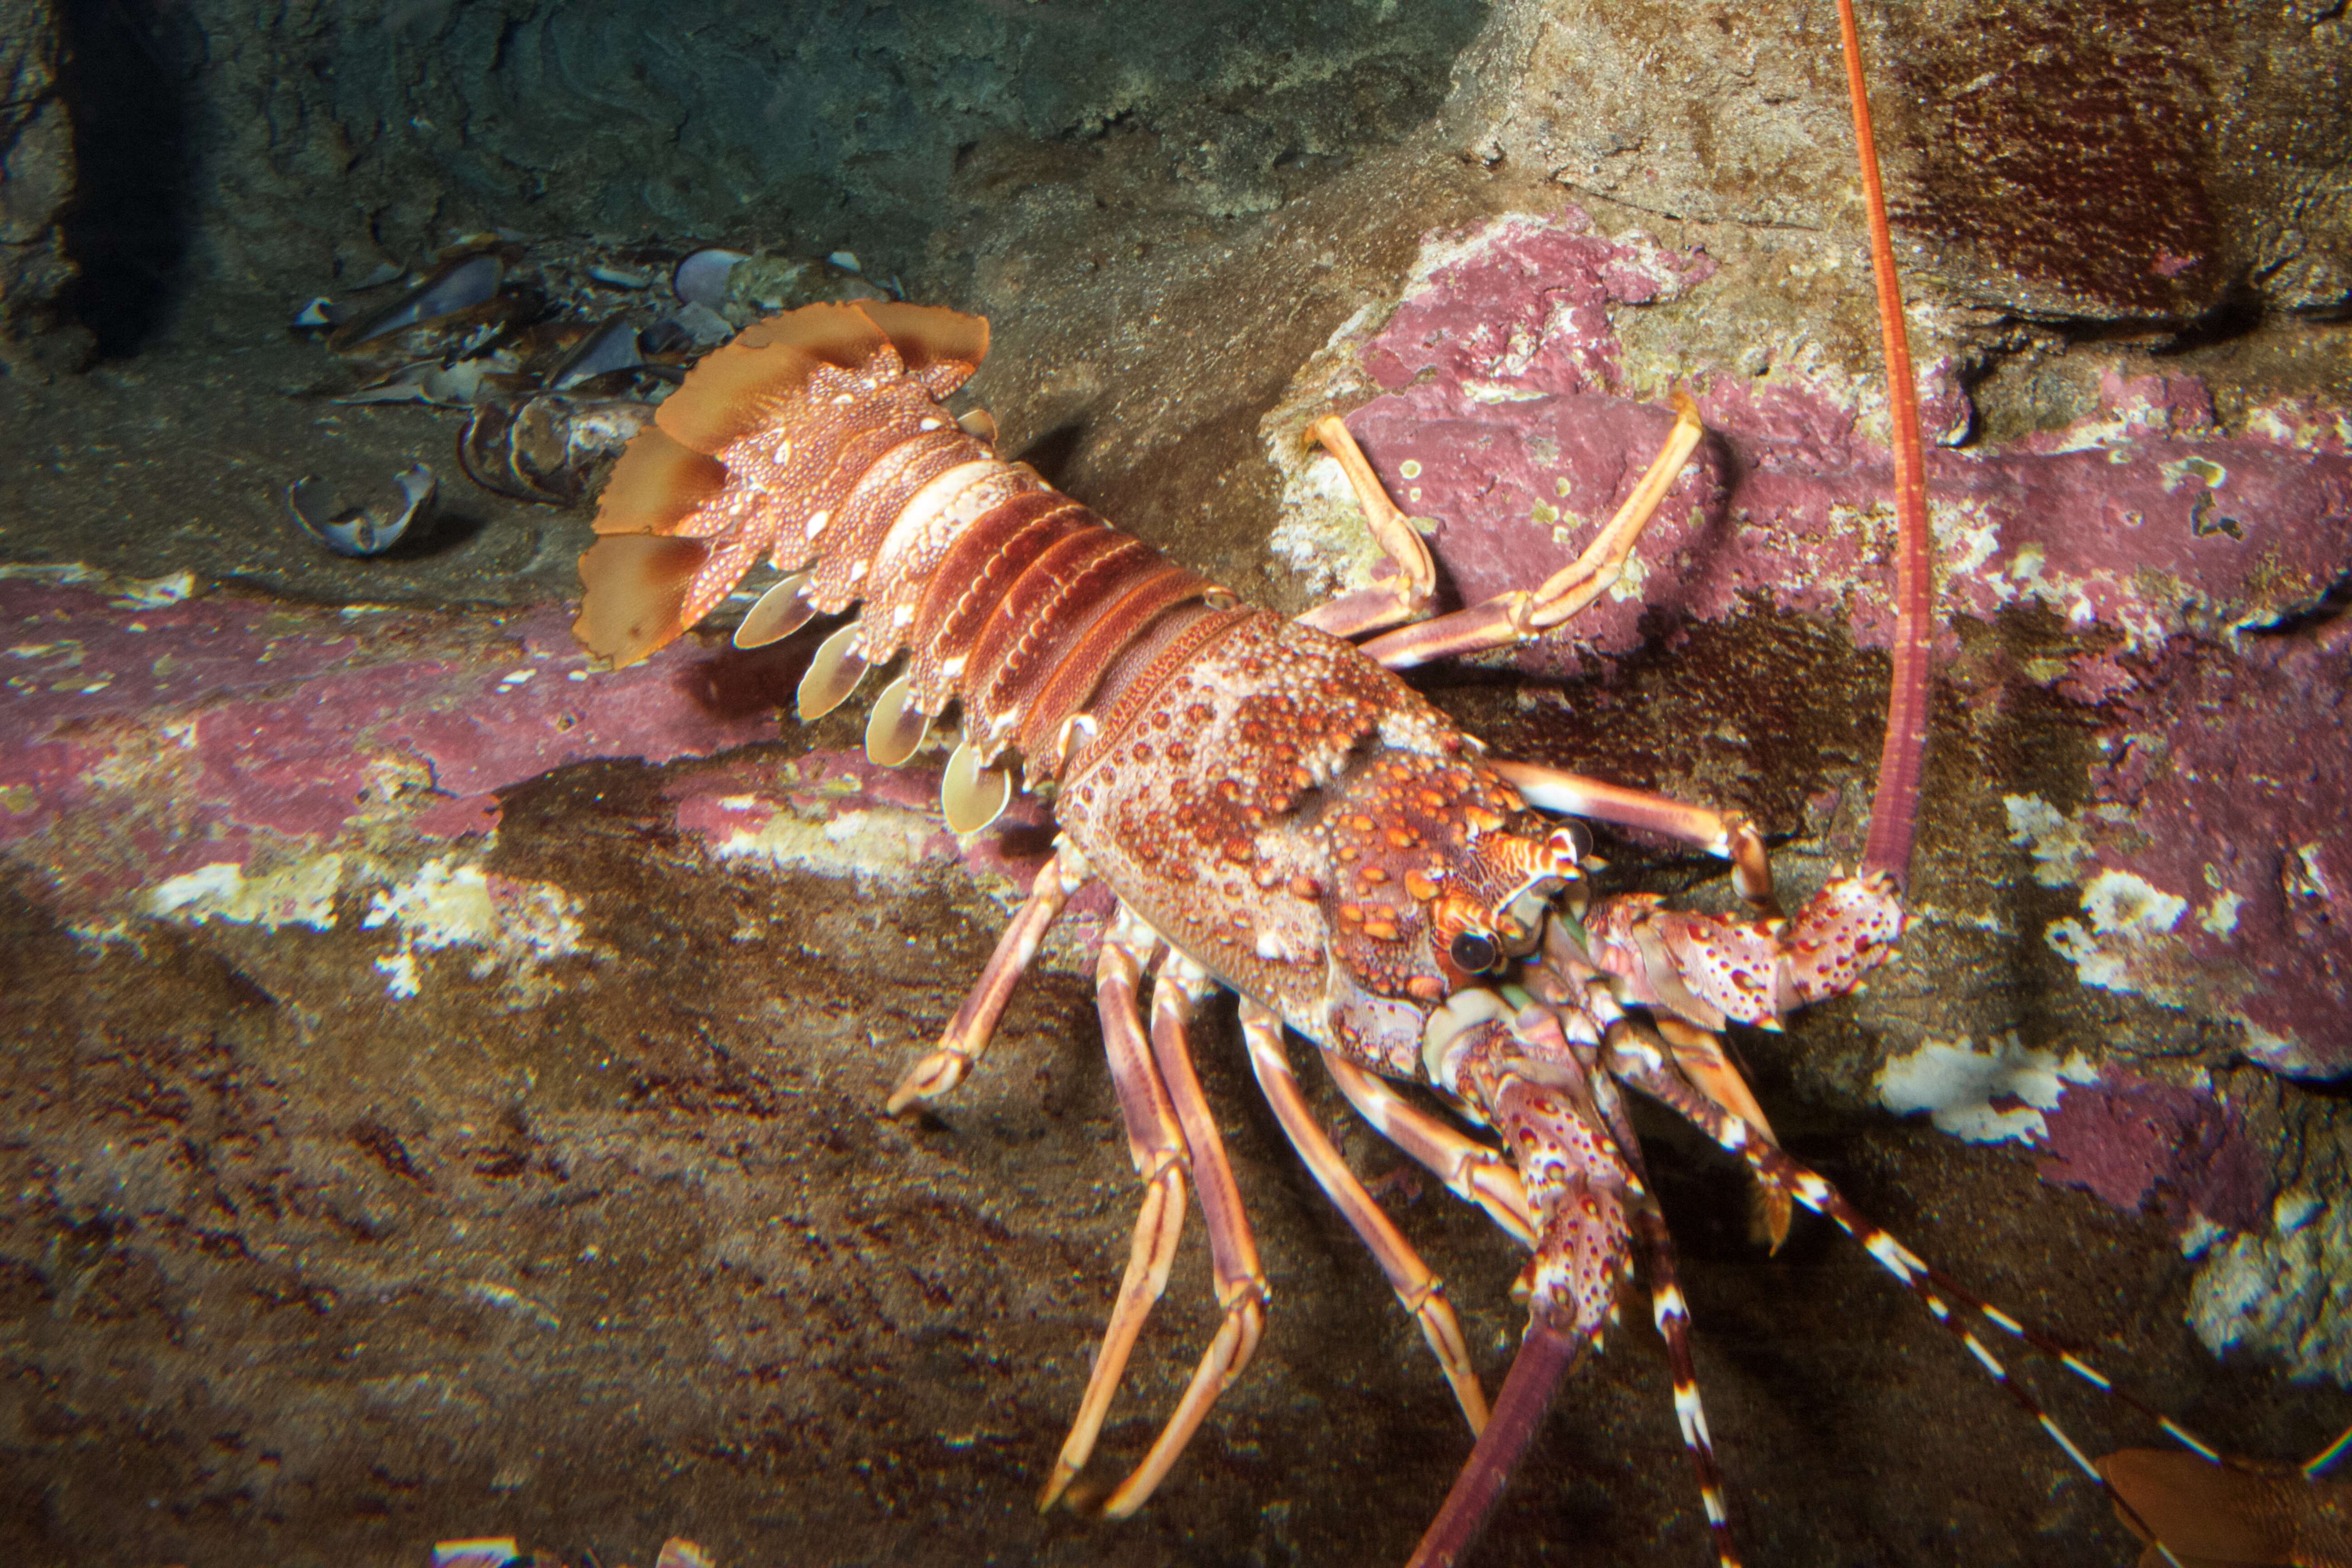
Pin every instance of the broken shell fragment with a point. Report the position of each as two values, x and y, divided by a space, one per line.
702 326
359 530
701 277
382 273
610 347
545 449
620 276
320 313
462 285
483 1551
462 386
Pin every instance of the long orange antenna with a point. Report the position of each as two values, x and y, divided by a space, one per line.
1894 809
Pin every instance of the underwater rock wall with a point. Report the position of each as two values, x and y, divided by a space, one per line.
442 1095
2104 160
36 177
325 124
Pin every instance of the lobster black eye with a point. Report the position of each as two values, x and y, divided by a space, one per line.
1473 952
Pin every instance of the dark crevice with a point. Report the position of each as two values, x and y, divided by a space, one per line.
124 73
2331 606
2238 311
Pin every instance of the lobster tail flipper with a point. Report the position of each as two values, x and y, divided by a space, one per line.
941 347
2204 1512
657 485
746 383
637 587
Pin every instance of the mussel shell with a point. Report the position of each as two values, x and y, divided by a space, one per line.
465 384
701 277
360 530
546 448
486 456
465 284
610 347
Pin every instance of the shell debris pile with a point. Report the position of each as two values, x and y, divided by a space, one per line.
557 356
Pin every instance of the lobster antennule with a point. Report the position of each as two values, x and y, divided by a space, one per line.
1636 1058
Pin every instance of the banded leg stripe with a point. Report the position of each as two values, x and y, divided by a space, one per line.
1653 1246
1644 1071
1672 1314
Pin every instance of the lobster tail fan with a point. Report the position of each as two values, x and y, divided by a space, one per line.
941 348
637 585
657 485
749 381
2205 1512
843 336
683 475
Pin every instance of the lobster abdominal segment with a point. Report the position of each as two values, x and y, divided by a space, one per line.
817 440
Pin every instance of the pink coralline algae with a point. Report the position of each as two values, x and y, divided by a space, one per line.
1505 421
2221 806
2172 546
2130 1141
141 743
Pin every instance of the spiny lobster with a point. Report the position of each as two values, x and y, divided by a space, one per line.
1280 815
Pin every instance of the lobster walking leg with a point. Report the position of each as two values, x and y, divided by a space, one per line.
1519 616
1398 598
1420 1290
1156 1142
969 1032
1727 835
1241 1289
1169 1130
1471 1170
1511 618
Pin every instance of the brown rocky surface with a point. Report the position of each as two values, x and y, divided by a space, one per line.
36 181
533 1182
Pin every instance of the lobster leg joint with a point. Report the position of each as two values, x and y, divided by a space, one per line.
969 1032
